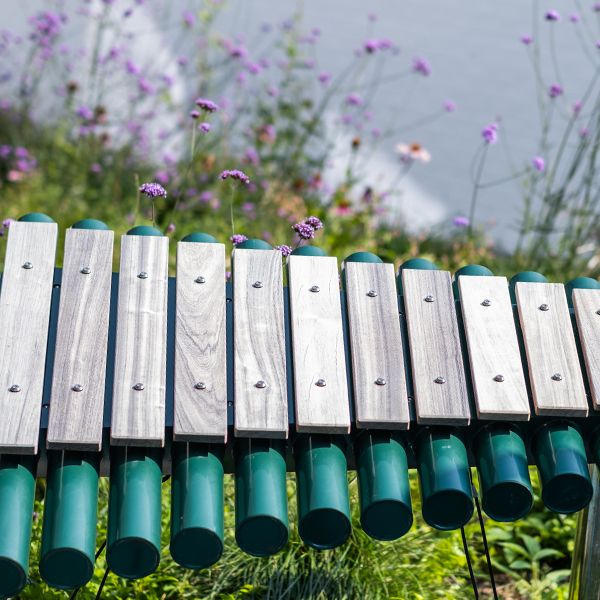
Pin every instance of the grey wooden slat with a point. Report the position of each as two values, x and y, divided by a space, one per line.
554 370
200 344
318 345
259 345
75 420
24 319
437 364
138 415
496 366
587 304
380 396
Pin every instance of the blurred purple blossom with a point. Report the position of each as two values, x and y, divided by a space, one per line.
85 113
539 164
238 238
206 196
324 78
189 18
555 90
153 190
460 221
449 105
574 18
251 156
577 106
285 250
552 15
421 66
526 39
354 100
206 105
490 133
96 168
131 67
170 228
235 174
204 127
195 114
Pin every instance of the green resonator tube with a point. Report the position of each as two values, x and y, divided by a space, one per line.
559 450
321 479
382 469
442 462
500 453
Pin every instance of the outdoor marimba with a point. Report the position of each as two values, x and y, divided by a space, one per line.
137 375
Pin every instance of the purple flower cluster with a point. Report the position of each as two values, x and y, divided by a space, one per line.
285 250
314 222
204 127
17 161
421 66
207 105
539 164
46 27
235 174
449 105
555 90
490 133
153 190
460 222
373 45
552 15
306 229
526 40
238 238
354 100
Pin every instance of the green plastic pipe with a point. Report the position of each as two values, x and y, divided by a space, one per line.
134 512
205 238
500 453
261 517
322 490
308 251
17 492
580 283
70 516
197 504
36 217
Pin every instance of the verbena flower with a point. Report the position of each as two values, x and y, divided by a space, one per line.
153 190
539 164
574 18
285 250
304 231
555 90
526 39
449 106
460 221
490 133
170 227
204 127
324 78
421 66
354 100
314 222
85 113
238 238
207 105
235 174
552 15
195 114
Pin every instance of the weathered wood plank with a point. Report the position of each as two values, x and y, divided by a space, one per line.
320 384
587 304
554 371
496 367
138 411
200 344
24 319
259 345
77 400
380 396
437 363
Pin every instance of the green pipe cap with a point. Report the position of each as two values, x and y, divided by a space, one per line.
205 238
308 251
89 224
421 264
580 283
144 230
66 568
13 578
526 277
470 271
36 217
363 257
254 244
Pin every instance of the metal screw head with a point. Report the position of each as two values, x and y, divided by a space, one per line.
200 385
557 377
372 294
143 275
138 387
429 298
499 378
320 383
200 279
598 312
27 265
260 384
486 302
85 271
14 388
77 387
440 380
315 289
257 284
544 307
380 381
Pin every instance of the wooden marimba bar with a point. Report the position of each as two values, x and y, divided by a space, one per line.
138 375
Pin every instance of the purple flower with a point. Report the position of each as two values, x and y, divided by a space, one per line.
314 222
421 66
238 52
85 113
285 250
153 190
195 114
449 106
6 223
273 91
206 105
96 168
539 164
251 156
552 15
596 7
584 132
354 100
188 18
235 174
238 238
577 106
574 18
204 127
490 133
304 231
373 45
460 221
46 27
526 39
131 67
170 227
555 90
206 196
324 78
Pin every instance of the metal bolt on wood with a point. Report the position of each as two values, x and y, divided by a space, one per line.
257 284
138 387
85 271
260 384
557 377
440 380
486 302
200 385
143 275
429 298
372 294
200 279
321 383
544 307
77 387
499 378
27 265
14 388
380 381
315 289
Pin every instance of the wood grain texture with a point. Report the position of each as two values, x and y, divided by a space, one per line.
318 345
493 349
200 415
435 348
24 319
259 345
75 420
586 304
376 346
550 347
138 416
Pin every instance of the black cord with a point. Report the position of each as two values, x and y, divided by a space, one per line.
98 553
486 549
469 565
99 594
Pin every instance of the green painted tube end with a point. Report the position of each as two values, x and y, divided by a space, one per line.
324 528
66 568
89 224
133 558
261 535
580 283
198 236
144 230
204 545
309 251
473 271
254 244
422 264
363 257
36 217
525 277
13 577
